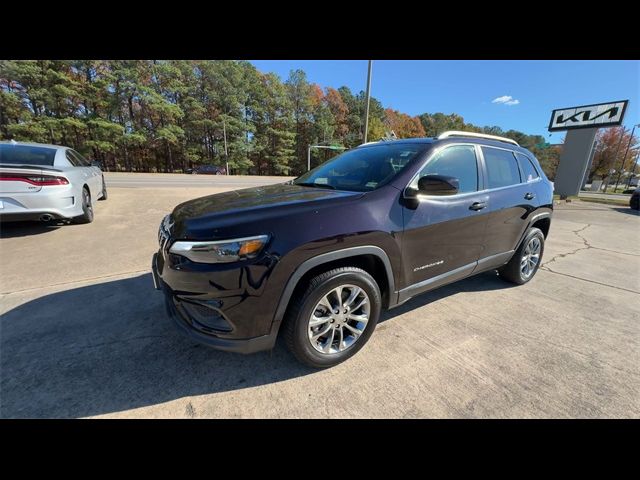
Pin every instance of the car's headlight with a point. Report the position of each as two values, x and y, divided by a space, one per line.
222 251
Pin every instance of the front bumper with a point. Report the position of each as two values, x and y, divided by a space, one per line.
178 310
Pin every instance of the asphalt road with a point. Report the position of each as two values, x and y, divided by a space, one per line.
83 333
170 180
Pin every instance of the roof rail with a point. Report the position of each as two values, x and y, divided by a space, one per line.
458 133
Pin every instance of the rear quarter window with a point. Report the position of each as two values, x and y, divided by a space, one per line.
26 155
529 171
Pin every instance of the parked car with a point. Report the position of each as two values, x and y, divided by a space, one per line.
207 170
320 256
47 182
634 201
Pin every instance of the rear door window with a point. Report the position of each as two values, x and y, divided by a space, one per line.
502 167
82 162
72 158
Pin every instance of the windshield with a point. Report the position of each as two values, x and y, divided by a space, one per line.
26 155
362 169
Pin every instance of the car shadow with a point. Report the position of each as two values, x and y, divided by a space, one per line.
24 229
109 347
628 211
481 282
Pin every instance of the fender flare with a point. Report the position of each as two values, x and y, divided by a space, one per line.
313 262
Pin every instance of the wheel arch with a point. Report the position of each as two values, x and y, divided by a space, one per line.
542 221
370 258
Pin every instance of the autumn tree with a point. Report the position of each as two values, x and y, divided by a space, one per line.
403 125
611 145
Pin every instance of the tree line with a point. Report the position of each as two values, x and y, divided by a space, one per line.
166 116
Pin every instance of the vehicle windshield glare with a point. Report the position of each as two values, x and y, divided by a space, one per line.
362 169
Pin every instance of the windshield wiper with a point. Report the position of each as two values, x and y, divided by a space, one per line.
317 185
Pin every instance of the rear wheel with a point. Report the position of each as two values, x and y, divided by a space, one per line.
333 318
526 260
87 208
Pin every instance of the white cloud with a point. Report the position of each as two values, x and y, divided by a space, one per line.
506 100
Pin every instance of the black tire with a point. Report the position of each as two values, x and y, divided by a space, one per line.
512 271
87 208
300 311
104 190
634 203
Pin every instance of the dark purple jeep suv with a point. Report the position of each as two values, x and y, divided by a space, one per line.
320 256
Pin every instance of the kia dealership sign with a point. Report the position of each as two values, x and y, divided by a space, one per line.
588 116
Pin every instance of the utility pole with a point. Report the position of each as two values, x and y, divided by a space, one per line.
224 134
625 157
633 172
366 110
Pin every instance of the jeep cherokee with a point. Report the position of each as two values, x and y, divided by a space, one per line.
320 256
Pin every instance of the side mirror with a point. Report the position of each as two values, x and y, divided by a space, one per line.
438 185
96 163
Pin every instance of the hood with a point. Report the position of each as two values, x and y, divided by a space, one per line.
207 216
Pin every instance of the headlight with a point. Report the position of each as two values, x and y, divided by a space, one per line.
223 251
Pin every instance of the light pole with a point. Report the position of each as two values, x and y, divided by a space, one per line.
366 108
328 147
635 164
226 152
625 156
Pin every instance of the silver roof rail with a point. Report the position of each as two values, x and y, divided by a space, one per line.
458 133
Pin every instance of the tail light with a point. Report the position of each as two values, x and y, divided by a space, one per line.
39 180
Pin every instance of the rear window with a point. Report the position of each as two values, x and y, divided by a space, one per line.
26 155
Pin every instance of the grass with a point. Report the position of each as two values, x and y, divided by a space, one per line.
607 201
570 197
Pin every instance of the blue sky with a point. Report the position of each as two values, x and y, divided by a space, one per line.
469 87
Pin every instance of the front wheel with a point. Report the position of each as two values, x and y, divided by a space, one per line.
333 318
104 190
526 260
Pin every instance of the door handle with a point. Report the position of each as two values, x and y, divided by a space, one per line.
529 196
478 205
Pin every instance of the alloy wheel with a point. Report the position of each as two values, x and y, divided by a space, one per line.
339 319
530 257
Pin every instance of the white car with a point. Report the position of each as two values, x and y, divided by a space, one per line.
47 182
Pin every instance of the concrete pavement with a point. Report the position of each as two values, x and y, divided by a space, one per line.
83 333
607 196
